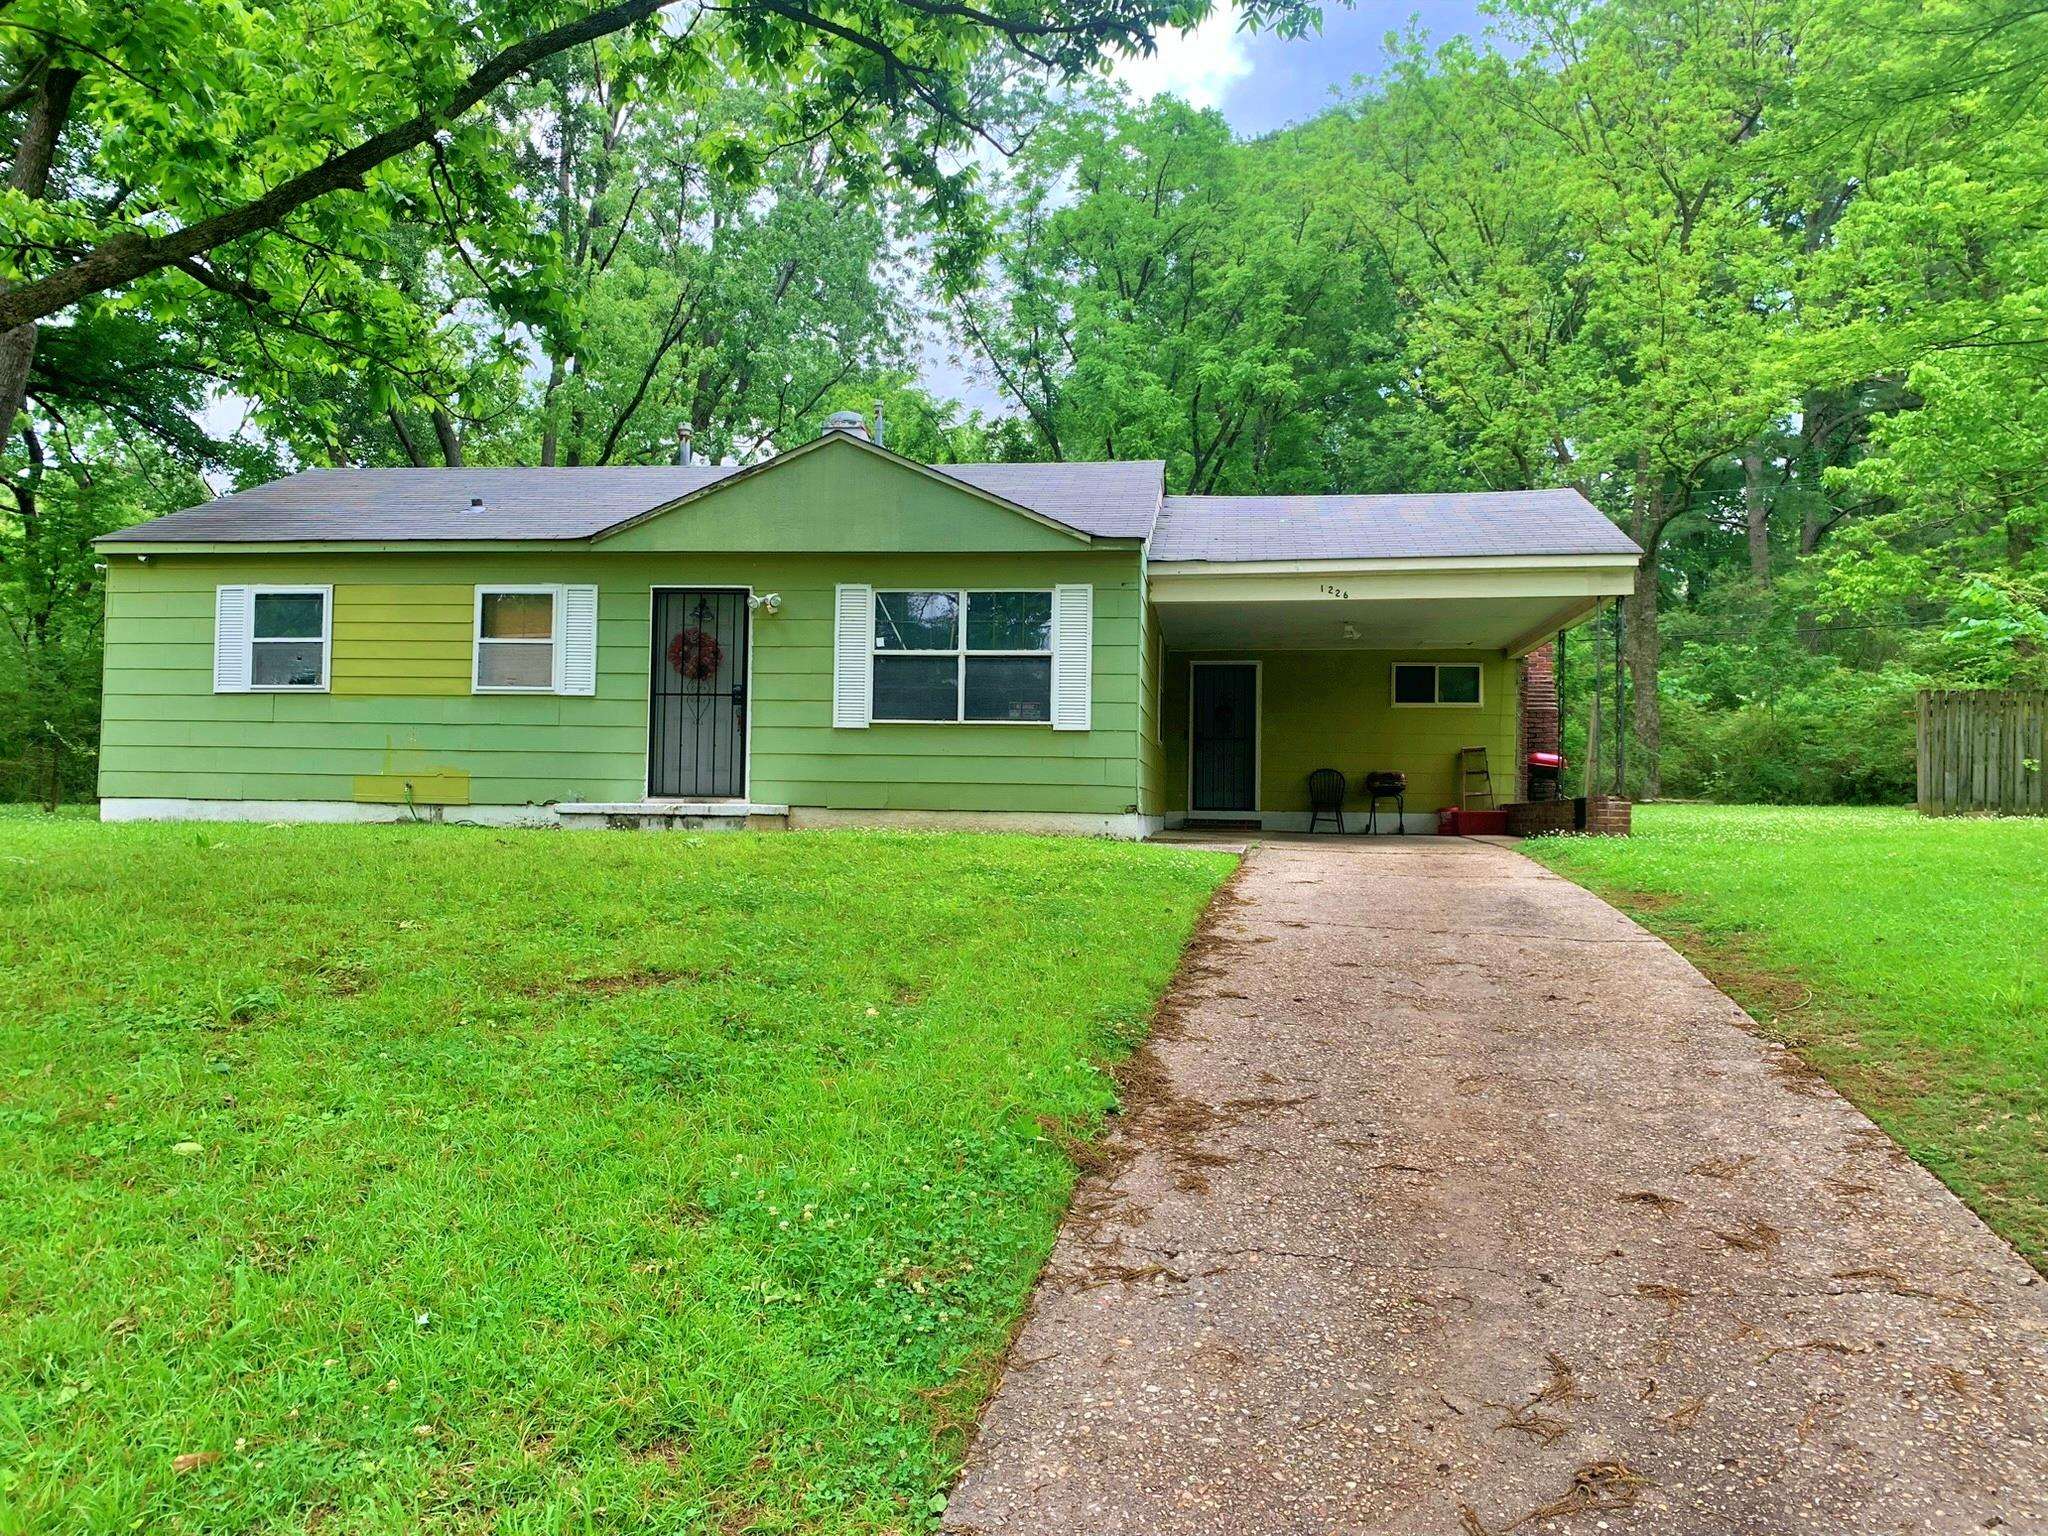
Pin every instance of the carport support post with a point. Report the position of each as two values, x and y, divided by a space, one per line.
1620 719
1559 679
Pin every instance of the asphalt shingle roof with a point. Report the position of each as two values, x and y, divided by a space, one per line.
1109 501
406 504
1437 525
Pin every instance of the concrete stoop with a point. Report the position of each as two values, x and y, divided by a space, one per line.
672 815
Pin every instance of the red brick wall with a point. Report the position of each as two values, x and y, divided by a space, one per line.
1605 816
1537 723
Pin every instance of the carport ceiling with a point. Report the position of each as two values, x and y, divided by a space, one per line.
1478 624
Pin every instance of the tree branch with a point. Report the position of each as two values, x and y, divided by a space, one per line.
131 255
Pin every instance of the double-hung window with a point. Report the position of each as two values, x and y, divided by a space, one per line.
516 629
1418 683
272 639
535 639
288 637
956 655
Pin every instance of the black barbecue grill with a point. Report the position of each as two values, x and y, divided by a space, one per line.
1386 786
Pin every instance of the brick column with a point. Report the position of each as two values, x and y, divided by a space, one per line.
1536 725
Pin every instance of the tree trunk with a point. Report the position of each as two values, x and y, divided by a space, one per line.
1640 643
565 217
550 436
30 176
405 442
1756 515
17 351
1591 783
451 443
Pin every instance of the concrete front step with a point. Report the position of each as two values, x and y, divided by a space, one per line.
673 815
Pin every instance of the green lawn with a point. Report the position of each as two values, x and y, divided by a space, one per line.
388 1179
1905 958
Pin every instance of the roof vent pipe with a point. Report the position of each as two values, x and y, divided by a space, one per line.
476 503
852 423
879 441
684 432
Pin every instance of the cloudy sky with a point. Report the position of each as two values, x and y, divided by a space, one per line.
1261 82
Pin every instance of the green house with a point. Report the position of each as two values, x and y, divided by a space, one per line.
836 635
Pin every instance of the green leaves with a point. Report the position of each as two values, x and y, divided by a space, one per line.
1159 291
229 130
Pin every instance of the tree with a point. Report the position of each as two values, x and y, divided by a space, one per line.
260 152
99 470
1160 291
679 301
1596 288
1936 282
691 301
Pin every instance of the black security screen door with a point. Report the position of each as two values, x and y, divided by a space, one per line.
697 720
1225 738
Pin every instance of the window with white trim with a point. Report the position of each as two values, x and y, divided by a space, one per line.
518 630
957 655
1426 683
288 638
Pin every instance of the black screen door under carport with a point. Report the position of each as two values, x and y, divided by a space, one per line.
697 707
1223 775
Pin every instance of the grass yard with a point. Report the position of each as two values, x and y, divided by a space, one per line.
392 1179
1907 959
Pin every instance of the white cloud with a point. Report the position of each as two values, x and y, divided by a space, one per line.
1200 66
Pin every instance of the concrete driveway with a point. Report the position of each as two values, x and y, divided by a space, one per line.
1451 1201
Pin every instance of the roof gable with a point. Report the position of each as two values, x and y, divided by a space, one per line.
841 492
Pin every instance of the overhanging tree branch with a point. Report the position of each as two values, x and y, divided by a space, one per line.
127 257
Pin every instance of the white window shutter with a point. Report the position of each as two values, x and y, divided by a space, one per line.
579 640
233 618
853 629
1073 656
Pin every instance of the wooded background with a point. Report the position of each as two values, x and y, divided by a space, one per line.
1767 281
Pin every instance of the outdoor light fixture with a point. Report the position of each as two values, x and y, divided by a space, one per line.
771 601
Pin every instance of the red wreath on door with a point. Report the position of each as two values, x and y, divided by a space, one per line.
695 655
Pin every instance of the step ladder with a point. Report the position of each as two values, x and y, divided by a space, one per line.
1475 780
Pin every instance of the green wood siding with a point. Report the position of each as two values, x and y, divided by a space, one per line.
1334 709
839 497
1151 717
401 702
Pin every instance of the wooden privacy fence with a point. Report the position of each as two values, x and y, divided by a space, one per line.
1982 751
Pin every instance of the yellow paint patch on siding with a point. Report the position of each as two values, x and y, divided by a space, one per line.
402 642
444 786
